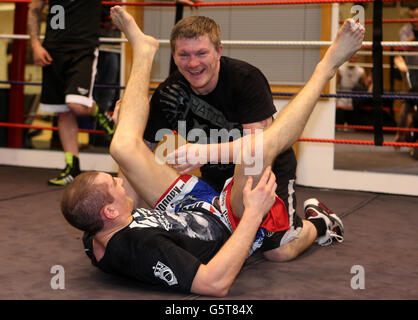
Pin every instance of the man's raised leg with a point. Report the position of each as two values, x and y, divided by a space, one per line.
287 127
149 179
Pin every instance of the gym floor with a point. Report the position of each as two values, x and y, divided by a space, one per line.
378 259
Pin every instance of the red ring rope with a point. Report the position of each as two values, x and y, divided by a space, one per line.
359 127
219 4
28 126
336 141
361 142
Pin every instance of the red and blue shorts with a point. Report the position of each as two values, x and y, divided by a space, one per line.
189 191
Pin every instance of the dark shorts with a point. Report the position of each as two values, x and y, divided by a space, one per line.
284 167
68 79
277 239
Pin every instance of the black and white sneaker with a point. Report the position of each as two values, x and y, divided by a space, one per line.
71 170
314 209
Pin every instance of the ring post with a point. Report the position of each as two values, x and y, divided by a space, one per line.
377 72
17 73
179 16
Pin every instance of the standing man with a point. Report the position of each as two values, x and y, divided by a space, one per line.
68 57
408 68
210 91
409 32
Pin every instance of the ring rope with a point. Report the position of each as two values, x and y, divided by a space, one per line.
361 142
389 53
335 141
271 43
29 126
387 96
360 127
223 4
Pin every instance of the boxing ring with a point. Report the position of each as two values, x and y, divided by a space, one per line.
379 209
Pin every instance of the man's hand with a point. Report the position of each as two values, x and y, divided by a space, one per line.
41 57
188 157
260 199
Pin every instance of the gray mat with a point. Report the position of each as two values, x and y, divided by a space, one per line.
380 237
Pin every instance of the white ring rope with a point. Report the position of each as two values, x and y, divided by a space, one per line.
384 66
247 42
389 53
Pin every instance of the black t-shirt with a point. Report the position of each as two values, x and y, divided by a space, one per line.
242 95
161 248
74 23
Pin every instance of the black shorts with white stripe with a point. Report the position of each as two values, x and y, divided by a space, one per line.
284 167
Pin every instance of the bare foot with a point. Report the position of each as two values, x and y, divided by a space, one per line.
126 23
348 40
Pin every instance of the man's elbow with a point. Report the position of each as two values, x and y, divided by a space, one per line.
205 284
221 292
121 148
214 290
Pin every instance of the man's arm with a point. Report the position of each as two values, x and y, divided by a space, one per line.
192 156
403 69
407 33
40 55
216 277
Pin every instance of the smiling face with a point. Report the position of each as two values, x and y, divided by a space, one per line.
199 62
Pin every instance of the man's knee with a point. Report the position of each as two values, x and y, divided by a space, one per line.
294 248
281 254
79 109
66 116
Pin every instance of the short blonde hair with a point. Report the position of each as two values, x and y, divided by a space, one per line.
193 27
82 201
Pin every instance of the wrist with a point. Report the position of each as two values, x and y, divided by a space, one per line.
35 43
326 70
252 216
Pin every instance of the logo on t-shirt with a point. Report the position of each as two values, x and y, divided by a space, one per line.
164 273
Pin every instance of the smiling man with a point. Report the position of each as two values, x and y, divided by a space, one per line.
197 58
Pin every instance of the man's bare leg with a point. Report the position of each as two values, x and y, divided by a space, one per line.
149 179
68 132
294 248
287 127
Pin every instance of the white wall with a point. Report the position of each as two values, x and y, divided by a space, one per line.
285 65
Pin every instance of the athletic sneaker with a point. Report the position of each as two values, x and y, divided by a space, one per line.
104 121
71 170
335 229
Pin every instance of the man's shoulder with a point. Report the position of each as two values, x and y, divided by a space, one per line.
238 73
406 31
238 65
